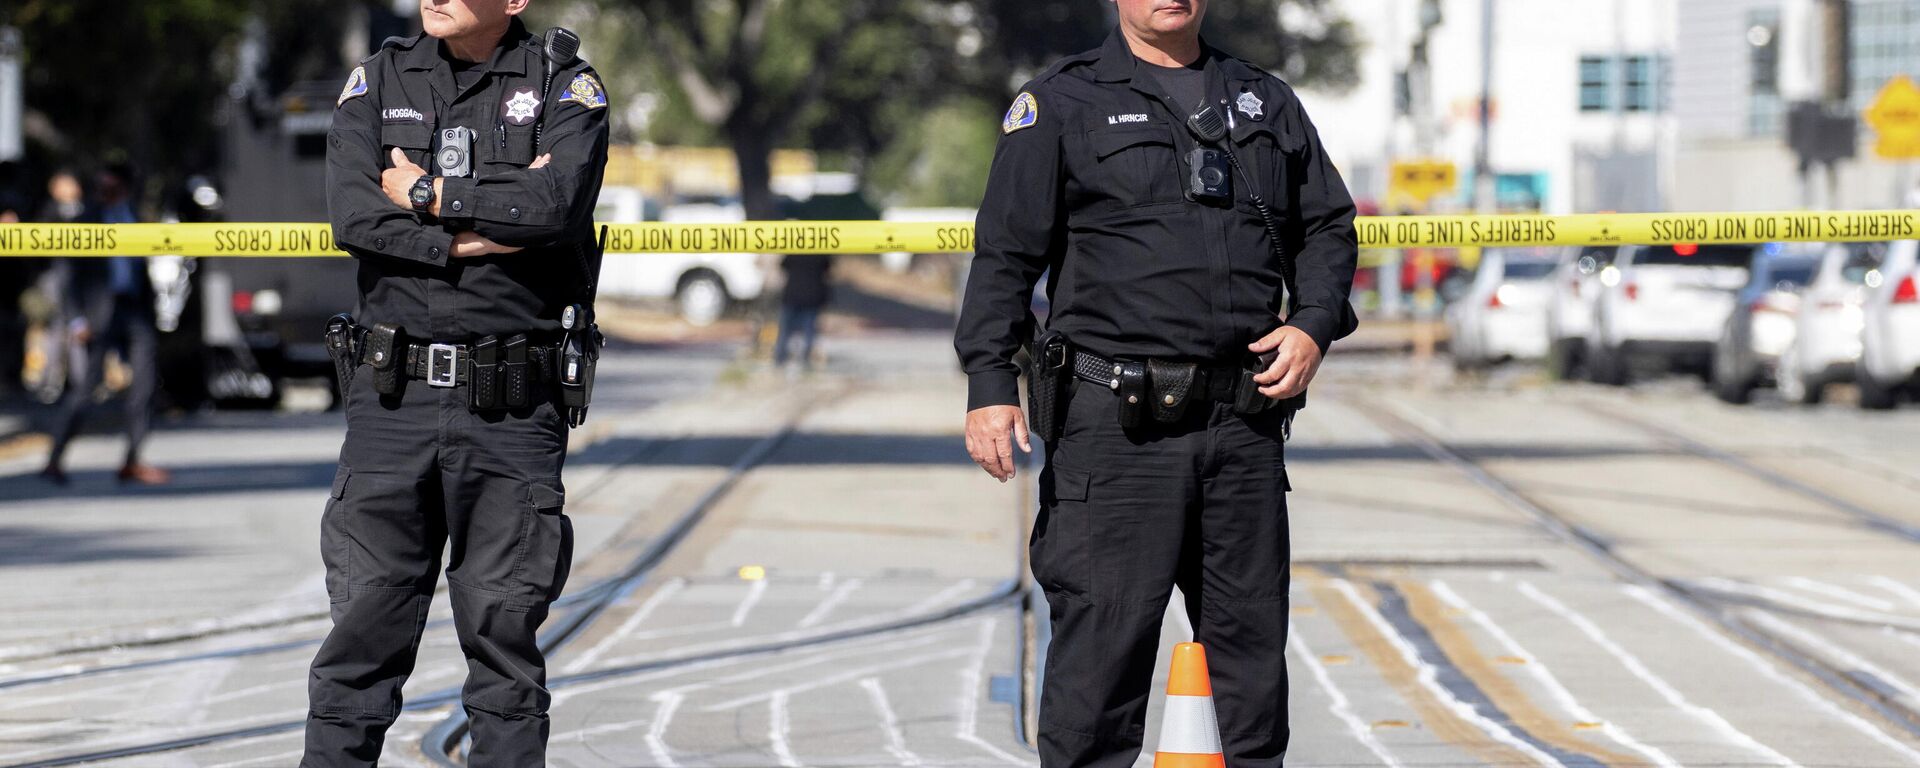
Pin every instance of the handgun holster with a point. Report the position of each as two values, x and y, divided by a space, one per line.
1047 385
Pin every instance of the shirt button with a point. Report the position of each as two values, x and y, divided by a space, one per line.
514 212
457 205
379 242
434 251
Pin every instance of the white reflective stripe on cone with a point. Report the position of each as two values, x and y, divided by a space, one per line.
1190 727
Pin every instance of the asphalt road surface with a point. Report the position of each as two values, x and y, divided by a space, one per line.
808 571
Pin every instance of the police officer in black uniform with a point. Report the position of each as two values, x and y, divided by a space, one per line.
463 168
1200 248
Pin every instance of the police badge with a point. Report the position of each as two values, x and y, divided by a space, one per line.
1250 105
522 107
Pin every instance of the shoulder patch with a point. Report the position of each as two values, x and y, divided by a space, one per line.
356 86
586 91
1024 113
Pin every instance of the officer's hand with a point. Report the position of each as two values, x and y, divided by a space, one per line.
541 162
1296 361
398 180
991 434
467 245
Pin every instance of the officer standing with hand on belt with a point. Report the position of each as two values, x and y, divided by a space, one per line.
1201 249
463 168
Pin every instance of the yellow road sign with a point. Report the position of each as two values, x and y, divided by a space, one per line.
858 237
1895 117
1421 180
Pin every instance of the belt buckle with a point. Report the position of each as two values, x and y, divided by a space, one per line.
439 374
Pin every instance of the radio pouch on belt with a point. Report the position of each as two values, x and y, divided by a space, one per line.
340 349
1133 394
484 381
517 391
386 344
1172 389
1047 385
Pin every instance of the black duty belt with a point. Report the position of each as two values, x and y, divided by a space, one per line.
1219 383
451 365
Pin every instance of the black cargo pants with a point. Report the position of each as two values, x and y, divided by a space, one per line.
1125 516
421 473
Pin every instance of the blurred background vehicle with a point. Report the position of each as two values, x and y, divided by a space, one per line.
1762 323
1576 288
703 286
1667 304
1890 332
1826 338
1501 313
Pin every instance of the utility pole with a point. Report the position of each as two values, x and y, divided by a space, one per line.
1836 82
1483 182
12 103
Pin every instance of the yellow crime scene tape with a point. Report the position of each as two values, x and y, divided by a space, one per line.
868 237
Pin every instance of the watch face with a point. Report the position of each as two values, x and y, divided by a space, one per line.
421 195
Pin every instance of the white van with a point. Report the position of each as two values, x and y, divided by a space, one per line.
702 285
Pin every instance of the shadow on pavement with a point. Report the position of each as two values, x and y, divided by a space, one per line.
28 545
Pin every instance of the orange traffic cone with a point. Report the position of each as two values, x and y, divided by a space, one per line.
1189 733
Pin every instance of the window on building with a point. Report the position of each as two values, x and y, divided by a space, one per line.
1765 113
1596 84
1885 41
1638 84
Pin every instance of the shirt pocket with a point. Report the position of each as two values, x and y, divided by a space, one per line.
510 148
1136 163
415 140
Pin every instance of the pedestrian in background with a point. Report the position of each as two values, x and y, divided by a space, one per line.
17 275
109 306
1202 249
807 292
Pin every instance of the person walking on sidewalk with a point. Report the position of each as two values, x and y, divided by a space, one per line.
474 312
807 292
1201 248
108 303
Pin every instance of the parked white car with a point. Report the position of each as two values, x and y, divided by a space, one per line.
703 285
1666 302
1576 288
1502 315
1826 339
1890 329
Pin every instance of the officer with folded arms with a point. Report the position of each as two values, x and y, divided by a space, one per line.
463 168
1200 248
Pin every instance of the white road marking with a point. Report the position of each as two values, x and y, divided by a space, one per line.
1640 670
1835 652
633 622
1791 600
657 732
940 598
1666 608
889 723
823 682
1429 677
1909 594
1546 677
1841 593
778 724
832 601
972 679
1901 635
754 593
1341 708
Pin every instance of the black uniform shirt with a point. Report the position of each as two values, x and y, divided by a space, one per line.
401 97
1089 181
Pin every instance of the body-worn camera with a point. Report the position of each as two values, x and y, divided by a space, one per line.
1209 176
454 157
